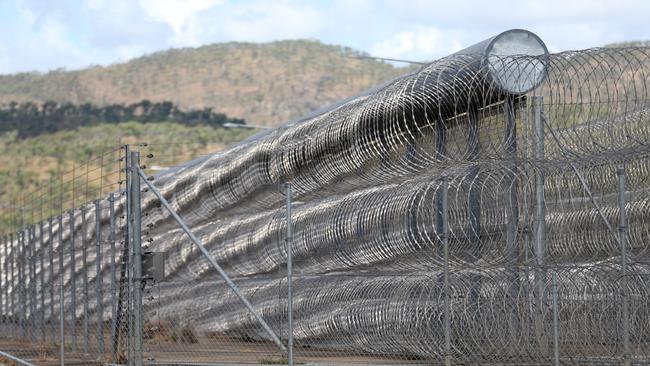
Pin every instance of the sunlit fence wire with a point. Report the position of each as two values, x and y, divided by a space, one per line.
468 212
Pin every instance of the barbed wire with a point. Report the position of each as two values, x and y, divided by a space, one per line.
369 231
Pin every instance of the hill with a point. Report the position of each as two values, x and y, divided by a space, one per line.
265 84
30 167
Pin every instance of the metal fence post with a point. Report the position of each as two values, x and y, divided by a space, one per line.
14 278
22 296
99 280
5 274
623 242
474 202
137 256
73 285
12 261
540 220
8 284
445 245
32 282
111 214
127 268
3 280
556 324
512 215
27 278
289 243
22 278
61 293
121 341
51 280
84 272
540 205
41 251
441 152
61 319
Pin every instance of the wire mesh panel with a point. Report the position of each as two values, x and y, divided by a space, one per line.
489 208
59 274
533 266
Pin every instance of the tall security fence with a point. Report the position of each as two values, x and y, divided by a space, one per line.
489 208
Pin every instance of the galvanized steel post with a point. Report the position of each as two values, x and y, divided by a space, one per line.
540 204
512 214
444 187
73 285
33 308
622 229
51 280
61 321
7 284
84 272
41 251
14 292
474 202
22 296
556 324
3 280
98 281
111 213
289 243
61 294
137 256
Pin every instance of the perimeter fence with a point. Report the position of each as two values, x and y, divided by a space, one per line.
472 212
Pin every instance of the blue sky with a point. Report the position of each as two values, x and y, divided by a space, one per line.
47 34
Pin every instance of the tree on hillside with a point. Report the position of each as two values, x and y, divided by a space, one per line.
31 119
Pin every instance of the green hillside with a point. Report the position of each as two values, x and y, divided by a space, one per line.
31 169
264 84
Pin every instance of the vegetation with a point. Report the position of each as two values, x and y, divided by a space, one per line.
35 170
30 119
53 123
265 84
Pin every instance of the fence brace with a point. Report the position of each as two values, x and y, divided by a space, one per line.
211 259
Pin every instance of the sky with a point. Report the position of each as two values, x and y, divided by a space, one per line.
42 35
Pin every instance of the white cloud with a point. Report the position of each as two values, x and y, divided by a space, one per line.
266 21
420 44
179 15
43 34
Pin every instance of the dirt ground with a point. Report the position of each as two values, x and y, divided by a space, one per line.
221 350
42 355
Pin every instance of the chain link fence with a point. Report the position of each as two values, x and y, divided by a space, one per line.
486 209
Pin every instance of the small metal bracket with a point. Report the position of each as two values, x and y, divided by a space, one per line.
153 266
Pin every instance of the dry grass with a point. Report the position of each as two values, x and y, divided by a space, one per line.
262 83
